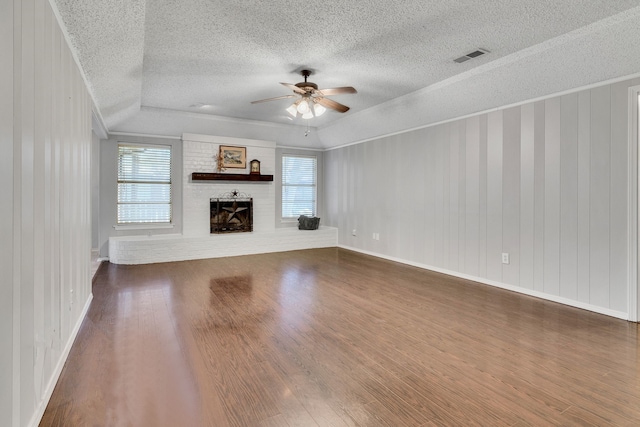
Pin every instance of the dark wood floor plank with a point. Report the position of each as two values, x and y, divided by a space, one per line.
290 407
329 337
300 369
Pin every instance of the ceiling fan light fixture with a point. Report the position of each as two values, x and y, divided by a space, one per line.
293 110
318 109
308 115
303 107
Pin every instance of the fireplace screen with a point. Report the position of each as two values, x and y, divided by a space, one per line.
231 213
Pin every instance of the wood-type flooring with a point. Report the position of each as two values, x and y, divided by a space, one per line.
330 337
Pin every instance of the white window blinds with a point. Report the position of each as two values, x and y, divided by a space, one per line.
144 184
298 186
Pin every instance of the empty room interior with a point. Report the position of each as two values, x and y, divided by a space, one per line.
372 213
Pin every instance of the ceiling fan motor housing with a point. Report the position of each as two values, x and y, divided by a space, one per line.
307 86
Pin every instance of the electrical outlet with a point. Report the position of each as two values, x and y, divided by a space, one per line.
505 258
353 232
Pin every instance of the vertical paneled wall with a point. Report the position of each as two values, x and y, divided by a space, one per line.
6 213
545 182
46 183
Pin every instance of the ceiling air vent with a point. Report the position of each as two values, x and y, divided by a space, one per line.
471 55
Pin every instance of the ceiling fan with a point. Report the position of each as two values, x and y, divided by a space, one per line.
311 102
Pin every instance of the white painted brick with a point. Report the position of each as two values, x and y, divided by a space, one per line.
176 247
199 157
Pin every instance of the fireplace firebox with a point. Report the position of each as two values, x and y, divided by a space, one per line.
231 213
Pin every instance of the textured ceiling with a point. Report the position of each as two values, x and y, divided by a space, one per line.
176 55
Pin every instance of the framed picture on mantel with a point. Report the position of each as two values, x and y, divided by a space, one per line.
233 157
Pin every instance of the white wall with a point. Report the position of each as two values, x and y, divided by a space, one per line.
196 242
6 213
199 154
45 129
545 182
108 184
95 191
190 200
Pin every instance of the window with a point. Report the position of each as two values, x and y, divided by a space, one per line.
298 186
144 184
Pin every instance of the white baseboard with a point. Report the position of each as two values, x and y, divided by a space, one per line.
566 301
37 416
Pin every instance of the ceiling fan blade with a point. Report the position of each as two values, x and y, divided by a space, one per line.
330 103
336 91
294 88
273 99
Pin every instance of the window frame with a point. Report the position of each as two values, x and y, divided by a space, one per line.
284 184
145 224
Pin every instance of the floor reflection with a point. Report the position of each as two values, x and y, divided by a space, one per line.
151 382
297 295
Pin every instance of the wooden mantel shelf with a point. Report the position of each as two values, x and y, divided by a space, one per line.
206 176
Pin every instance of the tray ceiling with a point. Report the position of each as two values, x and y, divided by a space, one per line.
179 56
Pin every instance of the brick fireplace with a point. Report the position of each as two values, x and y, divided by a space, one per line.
198 153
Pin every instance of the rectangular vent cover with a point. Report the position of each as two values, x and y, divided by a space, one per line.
471 55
